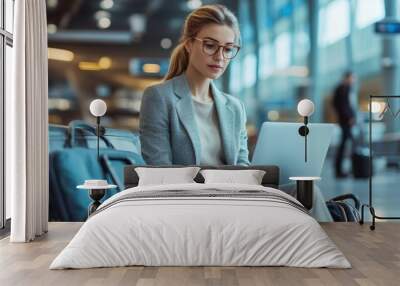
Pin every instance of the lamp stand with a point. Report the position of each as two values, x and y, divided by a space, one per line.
303 131
98 137
100 131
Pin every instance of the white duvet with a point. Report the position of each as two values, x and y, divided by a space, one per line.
185 231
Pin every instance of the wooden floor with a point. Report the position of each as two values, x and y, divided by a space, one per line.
375 257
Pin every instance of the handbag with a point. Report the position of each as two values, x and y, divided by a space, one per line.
342 210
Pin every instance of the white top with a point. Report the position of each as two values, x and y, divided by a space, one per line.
209 134
304 178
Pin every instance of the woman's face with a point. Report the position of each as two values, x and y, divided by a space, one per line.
210 66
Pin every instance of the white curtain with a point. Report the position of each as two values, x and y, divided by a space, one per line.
26 124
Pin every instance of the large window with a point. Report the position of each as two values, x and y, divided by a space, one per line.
335 22
250 76
369 12
267 63
6 43
282 50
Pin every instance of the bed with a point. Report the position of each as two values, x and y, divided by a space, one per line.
198 224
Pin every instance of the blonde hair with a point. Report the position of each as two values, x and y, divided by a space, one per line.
207 14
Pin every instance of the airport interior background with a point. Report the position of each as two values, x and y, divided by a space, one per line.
290 50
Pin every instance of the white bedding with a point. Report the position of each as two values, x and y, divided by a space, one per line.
182 231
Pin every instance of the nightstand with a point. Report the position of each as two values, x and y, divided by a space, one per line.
96 193
305 190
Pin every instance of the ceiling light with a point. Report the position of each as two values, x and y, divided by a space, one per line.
60 55
105 63
89 66
104 23
106 4
166 43
151 68
51 28
59 104
194 4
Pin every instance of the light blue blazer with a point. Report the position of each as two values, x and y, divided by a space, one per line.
168 130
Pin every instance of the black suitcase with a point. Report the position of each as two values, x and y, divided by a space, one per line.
360 162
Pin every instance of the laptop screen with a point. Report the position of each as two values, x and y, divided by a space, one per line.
280 144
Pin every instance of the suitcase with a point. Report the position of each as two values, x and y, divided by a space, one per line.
84 135
71 166
58 137
360 162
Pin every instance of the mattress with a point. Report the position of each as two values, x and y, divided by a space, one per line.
201 225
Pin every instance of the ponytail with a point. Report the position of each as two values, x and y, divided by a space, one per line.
179 61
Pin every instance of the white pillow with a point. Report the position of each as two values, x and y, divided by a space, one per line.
248 177
163 176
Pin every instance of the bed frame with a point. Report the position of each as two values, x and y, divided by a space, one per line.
270 179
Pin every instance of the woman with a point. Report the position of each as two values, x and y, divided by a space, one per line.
186 120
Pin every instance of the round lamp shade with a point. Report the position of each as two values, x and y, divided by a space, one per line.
305 107
98 107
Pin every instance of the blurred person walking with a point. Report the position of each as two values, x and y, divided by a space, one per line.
346 118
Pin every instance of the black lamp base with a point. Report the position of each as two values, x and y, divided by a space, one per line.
305 190
96 195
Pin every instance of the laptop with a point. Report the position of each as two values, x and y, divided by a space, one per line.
280 144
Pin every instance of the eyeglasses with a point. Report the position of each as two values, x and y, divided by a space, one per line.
211 47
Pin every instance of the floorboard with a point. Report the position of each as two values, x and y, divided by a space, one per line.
374 255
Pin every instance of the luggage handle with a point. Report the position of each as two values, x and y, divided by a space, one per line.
74 124
350 196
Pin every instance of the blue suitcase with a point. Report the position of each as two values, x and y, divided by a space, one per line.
77 161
